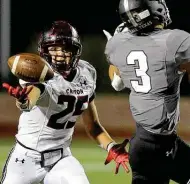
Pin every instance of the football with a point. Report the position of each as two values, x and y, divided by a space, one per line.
30 67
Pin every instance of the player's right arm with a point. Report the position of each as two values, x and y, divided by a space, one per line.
31 100
113 71
184 56
26 97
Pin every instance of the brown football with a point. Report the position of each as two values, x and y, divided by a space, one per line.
30 67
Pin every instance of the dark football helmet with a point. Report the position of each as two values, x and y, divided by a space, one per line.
138 15
62 34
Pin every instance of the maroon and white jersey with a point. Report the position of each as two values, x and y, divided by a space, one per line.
50 123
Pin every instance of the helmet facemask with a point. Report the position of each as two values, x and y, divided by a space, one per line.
61 47
63 58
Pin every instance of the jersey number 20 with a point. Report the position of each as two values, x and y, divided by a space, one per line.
141 71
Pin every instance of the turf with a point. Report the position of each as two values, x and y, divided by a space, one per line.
89 155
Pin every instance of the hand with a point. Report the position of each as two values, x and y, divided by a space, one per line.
119 155
121 28
21 94
107 34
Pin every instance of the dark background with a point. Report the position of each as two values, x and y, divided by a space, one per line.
89 17
28 17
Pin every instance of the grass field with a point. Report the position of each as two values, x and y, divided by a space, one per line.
90 156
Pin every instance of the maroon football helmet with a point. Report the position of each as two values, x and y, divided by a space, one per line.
62 34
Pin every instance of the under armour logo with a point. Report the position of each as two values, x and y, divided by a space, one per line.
82 81
21 161
169 152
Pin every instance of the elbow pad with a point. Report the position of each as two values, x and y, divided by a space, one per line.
117 83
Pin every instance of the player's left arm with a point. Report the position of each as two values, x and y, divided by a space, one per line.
93 126
182 55
97 132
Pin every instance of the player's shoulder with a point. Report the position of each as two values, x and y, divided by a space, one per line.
113 42
175 38
179 32
86 75
85 64
86 67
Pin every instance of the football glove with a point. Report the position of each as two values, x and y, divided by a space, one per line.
21 94
118 153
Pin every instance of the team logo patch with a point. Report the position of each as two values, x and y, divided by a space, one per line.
20 161
82 81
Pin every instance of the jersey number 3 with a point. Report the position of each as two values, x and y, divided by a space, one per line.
140 58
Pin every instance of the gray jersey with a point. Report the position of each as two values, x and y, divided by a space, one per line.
149 68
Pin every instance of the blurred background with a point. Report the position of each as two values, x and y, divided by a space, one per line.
21 22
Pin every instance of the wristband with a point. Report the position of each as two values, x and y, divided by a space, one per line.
117 83
110 145
23 106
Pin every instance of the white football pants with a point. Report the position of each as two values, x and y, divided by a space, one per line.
23 167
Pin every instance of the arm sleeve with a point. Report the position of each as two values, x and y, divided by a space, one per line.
183 52
92 97
178 46
117 83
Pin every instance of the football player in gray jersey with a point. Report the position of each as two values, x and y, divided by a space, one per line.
151 61
49 113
